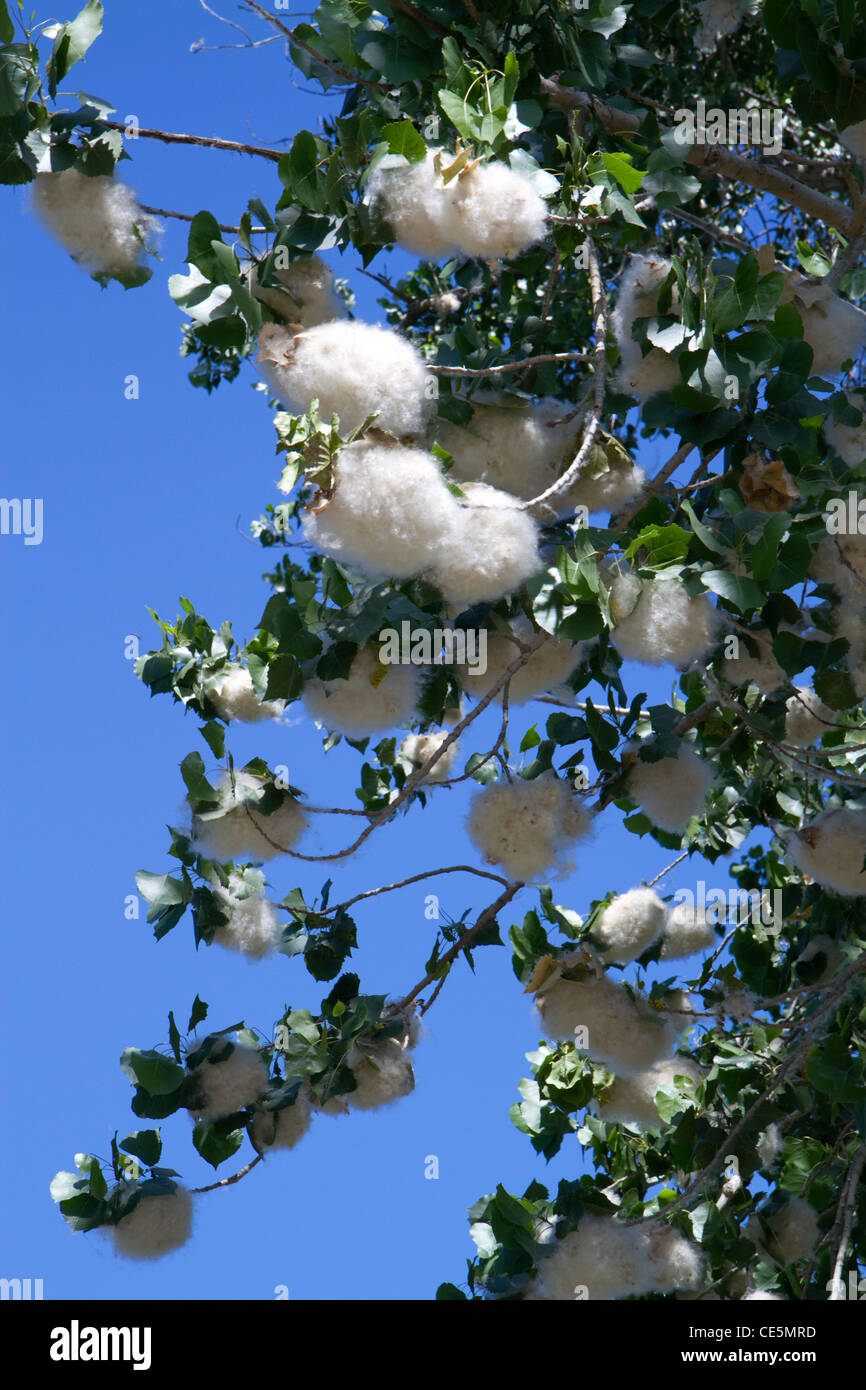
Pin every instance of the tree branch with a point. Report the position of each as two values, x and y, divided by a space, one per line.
172 138
416 878
466 939
351 78
235 1177
438 370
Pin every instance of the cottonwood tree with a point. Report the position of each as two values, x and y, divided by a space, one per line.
601 260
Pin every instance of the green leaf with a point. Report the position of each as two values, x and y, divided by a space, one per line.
145 1144
7 28
73 41
449 1293
17 73
664 544
214 735
834 1072
743 593
628 178
157 1074
192 772
530 739
836 689
813 262
215 1143
203 232
198 1013
404 139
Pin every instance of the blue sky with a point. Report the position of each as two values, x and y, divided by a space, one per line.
142 502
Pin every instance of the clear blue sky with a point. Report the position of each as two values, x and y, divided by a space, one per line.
141 504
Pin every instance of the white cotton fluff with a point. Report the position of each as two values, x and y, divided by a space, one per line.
835 330
794 1230
527 827
629 925
720 18
841 561
631 1099
230 1085
826 946
622 1032
638 299
688 930
387 514
547 667
608 481
609 1259
761 1296
853 137
157 1225
807 718
656 621
603 1256
490 550
488 210
519 447
769 1145
383 1074
353 369
254 927
97 220
236 699
282 1129
372 699
740 1003
411 199
244 830
762 670
676 1263
309 297
671 790
494 212
831 850
419 747
849 441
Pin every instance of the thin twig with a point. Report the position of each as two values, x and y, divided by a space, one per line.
416 878
849 1197
487 916
170 137
188 216
351 78
235 1177
440 370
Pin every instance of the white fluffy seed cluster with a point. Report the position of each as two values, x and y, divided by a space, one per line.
305 294
831 850
834 328
629 925
97 220
230 1085
491 550
841 561
769 1145
549 666
638 297
606 1259
853 137
283 1129
762 670
794 1231
606 1023
671 790
388 513
849 441
826 946
392 514
235 699
243 830
807 718
383 1073
371 699
656 621
353 369
417 748
720 18
488 210
688 931
527 827
254 928
157 1225
524 447
513 445
631 1099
